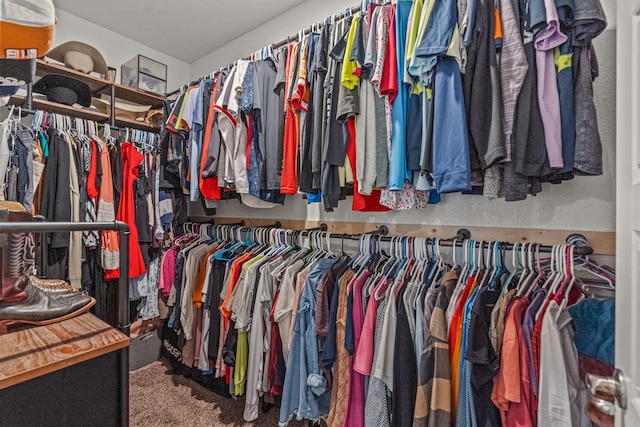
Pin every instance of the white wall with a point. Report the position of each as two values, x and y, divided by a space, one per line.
287 24
116 49
585 203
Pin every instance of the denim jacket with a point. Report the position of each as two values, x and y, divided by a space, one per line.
305 393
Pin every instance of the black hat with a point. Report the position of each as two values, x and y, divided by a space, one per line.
63 90
17 72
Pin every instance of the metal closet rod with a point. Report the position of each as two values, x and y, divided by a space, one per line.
581 244
337 16
27 111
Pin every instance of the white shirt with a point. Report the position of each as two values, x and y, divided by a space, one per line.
562 396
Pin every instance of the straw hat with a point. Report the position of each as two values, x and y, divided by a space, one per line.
80 57
154 118
123 109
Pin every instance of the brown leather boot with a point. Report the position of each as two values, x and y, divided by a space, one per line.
20 300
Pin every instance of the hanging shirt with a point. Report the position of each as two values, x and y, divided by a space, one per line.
507 394
563 396
482 356
341 377
433 397
305 393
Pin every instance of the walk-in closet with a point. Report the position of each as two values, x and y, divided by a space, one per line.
402 213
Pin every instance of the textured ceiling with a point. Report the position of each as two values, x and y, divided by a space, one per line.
184 29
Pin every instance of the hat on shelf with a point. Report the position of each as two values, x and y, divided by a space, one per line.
63 90
124 110
80 57
26 28
6 92
154 117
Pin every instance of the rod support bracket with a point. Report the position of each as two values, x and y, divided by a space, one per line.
462 234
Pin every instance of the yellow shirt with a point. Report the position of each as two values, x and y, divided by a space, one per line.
348 79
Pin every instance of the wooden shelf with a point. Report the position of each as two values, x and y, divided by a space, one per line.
95 115
136 96
134 124
32 352
95 83
68 110
100 85
97 86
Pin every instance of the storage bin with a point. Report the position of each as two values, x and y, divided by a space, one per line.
144 350
144 73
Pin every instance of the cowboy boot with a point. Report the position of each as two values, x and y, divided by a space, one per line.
20 300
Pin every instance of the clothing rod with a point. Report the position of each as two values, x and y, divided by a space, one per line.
581 244
116 128
579 250
353 9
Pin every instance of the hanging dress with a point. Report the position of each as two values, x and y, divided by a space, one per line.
131 159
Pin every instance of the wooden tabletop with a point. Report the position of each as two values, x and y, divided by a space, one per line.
32 352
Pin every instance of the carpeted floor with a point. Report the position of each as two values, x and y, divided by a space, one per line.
158 398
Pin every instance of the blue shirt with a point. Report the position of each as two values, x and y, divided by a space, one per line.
398 171
466 413
305 393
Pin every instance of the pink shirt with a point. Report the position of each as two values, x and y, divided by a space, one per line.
363 359
355 405
167 270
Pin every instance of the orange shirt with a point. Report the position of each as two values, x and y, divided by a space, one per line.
234 273
202 274
507 393
497 32
455 342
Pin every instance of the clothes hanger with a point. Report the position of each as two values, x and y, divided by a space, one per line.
595 271
496 261
561 268
517 267
525 267
462 279
526 280
563 297
488 264
539 276
414 251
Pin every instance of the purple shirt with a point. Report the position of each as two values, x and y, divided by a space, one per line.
548 39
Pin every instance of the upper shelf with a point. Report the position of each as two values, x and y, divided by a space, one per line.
96 84
100 85
67 110
82 113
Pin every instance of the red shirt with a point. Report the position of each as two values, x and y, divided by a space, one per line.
209 186
510 397
289 177
362 203
389 81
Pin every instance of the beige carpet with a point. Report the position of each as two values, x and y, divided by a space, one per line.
158 398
